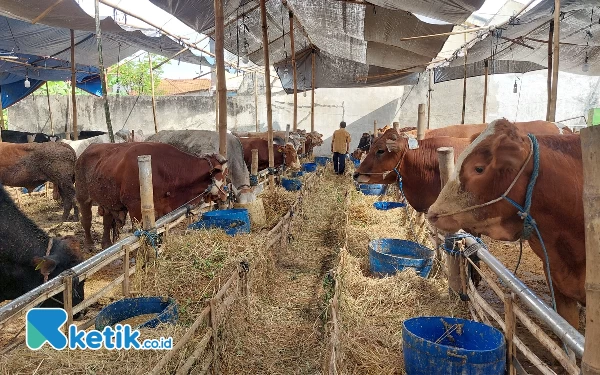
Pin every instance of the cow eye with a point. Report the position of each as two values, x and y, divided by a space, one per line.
479 170
379 152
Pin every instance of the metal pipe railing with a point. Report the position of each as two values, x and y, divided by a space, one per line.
566 332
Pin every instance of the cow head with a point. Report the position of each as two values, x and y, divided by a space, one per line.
290 156
383 156
218 175
64 254
357 154
484 171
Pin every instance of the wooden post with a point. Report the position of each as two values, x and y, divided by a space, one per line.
254 166
312 94
509 332
464 104
30 138
214 323
485 88
1 117
287 133
304 147
429 98
549 87
49 110
111 135
125 284
256 99
396 125
294 71
265 40
68 299
421 124
374 129
146 192
152 91
221 83
590 142
446 164
555 60
73 87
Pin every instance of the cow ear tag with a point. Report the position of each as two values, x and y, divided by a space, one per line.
413 144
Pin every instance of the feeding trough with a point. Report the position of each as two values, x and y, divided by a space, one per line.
444 345
384 206
309 167
372 189
38 189
140 312
297 174
389 255
291 184
232 221
355 161
322 160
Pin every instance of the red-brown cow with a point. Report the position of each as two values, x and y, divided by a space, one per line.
107 174
282 154
313 139
472 130
419 167
484 172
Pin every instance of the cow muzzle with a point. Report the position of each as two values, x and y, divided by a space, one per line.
360 177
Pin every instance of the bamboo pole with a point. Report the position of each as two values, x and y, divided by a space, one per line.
590 142
295 127
444 34
446 165
265 40
429 98
256 99
152 91
254 165
555 60
125 285
45 12
374 129
485 89
312 94
73 87
421 123
509 331
396 125
464 103
49 110
1 117
549 83
102 75
221 82
146 192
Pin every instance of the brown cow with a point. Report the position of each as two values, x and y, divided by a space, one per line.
107 174
313 139
281 154
419 167
31 164
484 172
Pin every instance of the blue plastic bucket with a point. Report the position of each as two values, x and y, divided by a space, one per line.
291 184
165 309
309 167
372 189
463 347
384 206
322 160
297 174
389 255
36 190
232 221
356 162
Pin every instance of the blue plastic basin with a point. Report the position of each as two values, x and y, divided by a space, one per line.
297 174
383 206
309 167
468 347
291 184
372 189
355 161
232 221
164 307
322 160
390 255
36 190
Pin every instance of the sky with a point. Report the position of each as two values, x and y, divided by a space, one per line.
177 70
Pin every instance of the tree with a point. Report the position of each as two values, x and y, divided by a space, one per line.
58 88
134 76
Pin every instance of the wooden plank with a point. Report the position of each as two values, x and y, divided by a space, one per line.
183 370
509 332
41 298
125 284
68 299
101 293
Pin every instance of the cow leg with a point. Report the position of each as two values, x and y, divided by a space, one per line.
107 223
67 192
86 222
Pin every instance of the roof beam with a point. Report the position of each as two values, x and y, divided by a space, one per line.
45 13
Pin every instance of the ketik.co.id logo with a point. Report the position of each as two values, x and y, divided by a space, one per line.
44 325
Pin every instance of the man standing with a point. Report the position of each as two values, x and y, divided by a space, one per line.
340 145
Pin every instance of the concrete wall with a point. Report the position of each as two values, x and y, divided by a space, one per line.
359 107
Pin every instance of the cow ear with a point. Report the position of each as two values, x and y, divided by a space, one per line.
391 145
507 153
44 264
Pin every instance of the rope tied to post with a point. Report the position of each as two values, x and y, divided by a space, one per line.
150 236
253 180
